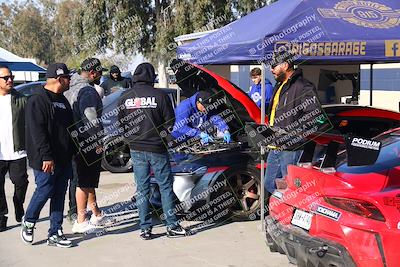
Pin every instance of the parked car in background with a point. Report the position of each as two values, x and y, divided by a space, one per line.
29 88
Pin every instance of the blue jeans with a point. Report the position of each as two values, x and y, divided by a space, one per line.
277 162
159 164
53 187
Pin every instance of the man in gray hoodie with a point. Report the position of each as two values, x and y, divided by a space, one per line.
87 108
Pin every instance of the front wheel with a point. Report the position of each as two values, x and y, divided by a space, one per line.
244 183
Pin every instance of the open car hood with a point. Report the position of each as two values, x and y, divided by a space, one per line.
192 78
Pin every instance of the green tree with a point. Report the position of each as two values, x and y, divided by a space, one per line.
245 7
30 36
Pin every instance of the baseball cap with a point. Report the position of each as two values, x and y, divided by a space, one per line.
282 57
115 69
56 70
92 64
204 98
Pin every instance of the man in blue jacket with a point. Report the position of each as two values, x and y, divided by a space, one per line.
193 120
255 88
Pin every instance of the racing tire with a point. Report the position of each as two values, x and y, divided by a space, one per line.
244 183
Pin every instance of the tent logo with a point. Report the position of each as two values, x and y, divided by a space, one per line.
364 13
392 48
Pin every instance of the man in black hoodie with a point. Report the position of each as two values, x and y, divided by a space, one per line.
144 112
49 148
114 81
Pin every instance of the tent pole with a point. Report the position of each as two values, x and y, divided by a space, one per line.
262 152
371 82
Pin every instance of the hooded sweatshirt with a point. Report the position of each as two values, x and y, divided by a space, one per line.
255 93
110 83
86 106
145 113
190 122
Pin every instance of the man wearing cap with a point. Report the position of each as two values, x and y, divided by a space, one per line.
291 90
12 145
49 148
194 121
87 109
115 81
146 114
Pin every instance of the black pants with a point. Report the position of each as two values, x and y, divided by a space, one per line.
19 177
72 190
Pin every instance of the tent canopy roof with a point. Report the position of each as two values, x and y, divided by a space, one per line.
329 31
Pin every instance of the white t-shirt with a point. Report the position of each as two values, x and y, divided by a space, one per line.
6 131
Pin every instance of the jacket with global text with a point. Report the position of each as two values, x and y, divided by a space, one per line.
145 113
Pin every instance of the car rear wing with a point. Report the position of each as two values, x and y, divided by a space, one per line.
360 152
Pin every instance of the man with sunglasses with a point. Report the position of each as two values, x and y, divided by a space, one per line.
50 149
291 90
87 109
12 145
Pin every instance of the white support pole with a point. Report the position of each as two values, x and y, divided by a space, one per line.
262 152
178 96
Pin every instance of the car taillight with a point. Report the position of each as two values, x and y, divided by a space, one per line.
392 201
359 207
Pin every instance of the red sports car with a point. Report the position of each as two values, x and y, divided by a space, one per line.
343 210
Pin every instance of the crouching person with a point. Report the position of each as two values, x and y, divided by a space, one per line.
49 149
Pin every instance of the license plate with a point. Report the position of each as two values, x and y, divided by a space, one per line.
302 219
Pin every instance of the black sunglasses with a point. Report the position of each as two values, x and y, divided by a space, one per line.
8 77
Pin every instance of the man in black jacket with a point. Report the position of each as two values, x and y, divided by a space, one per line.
144 112
12 145
293 99
115 81
49 149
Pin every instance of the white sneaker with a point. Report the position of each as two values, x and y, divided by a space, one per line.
84 228
101 220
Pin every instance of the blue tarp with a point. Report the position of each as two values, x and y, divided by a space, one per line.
23 66
318 31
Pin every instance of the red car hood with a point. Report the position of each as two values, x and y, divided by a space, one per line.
192 78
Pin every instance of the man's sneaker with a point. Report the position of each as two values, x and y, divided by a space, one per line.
101 220
27 231
84 228
145 234
177 231
59 240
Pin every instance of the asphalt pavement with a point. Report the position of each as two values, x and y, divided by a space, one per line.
230 244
